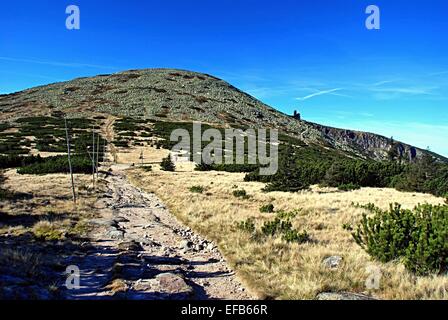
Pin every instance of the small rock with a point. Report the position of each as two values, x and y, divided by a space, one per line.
332 262
185 244
130 246
210 247
116 234
343 296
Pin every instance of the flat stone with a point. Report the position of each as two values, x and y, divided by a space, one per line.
332 262
165 286
343 296
173 284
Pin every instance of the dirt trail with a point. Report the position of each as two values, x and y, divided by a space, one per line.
140 251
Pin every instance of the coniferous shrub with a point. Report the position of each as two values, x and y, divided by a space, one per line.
197 189
419 237
276 226
247 225
240 194
168 164
203 167
268 208
58 164
428 249
385 235
293 235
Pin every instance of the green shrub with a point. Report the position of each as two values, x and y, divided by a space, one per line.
283 228
203 167
277 226
14 161
419 237
197 189
240 194
59 164
428 249
295 236
269 208
386 235
247 225
168 164
287 214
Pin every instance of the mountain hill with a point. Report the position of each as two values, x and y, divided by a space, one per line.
178 95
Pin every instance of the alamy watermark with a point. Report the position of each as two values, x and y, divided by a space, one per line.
73 21
373 280
373 21
73 281
230 149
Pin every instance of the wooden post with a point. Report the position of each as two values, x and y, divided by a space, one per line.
97 155
70 160
93 156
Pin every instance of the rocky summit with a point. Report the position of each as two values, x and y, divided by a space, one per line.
178 95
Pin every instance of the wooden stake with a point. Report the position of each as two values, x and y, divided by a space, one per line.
93 156
70 160
97 155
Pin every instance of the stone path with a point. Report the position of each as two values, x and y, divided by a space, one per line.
140 251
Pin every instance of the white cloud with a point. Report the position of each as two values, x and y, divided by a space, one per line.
319 93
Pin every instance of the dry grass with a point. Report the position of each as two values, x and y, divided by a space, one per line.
48 201
117 286
273 268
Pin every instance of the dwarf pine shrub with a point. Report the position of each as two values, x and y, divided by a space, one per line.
240 194
268 208
168 164
419 237
246 226
197 189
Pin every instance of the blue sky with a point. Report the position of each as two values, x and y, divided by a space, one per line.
315 56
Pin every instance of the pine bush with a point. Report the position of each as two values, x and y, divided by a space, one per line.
168 164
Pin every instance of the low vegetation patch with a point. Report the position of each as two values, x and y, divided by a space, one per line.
268 208
246 226
48 231
280 226
197 189
240 194
58 164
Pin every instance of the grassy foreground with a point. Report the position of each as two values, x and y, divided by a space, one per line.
273 268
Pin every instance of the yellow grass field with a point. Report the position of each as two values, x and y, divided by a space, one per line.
272 268
48 196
